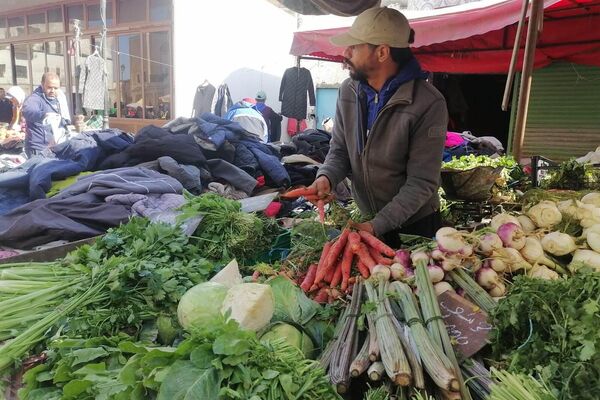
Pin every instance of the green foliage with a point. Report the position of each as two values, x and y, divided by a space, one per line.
218 361
511 171
550 329
225 231
147 267
571 175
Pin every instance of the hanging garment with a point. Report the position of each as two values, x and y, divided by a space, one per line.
296 82
93 82
203 99
222 101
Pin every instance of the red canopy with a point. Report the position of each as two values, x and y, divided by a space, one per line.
481 40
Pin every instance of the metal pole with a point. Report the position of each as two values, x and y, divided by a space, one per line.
537 11
515 54
105 124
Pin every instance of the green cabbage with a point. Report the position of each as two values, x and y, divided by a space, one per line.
292 335
201 304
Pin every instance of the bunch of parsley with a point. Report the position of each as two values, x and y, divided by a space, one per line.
550 329
227 232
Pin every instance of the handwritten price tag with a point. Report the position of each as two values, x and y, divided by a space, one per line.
466 323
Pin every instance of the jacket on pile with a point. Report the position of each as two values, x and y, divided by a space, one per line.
250 119
396 168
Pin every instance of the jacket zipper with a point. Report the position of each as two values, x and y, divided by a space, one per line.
365 153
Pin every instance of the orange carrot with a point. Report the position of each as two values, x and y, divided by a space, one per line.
313 198
321 208
378 257
333 254
301 191
376 244
320 267
363 254
310 278
362 268
329 275
337 276
346 265
354 238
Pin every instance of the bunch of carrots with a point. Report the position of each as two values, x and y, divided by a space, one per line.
351 249
310 194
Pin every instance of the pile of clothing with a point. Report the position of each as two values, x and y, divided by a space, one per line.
465 143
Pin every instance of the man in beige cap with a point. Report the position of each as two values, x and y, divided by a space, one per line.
389 132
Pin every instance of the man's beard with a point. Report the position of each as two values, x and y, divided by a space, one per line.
355 73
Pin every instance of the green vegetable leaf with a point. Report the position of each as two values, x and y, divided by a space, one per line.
202 356
270 374
86 355
185 381
588 350
91 369
591 307
291 304
75 388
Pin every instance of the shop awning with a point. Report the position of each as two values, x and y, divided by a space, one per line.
320 7
481 40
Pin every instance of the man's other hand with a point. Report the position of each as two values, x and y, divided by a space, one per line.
363 226
323 187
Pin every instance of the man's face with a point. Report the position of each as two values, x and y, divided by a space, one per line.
51 86
2 94
360 60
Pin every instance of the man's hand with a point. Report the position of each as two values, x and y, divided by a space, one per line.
363 226
323 187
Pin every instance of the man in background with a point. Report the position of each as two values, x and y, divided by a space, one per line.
272 119
46 116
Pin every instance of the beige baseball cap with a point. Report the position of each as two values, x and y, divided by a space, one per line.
379 25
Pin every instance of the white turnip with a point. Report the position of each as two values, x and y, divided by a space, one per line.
403 257
450 263
419 257
542 272
496 264
488 243
533 252
591 198
501 219
442 287
438 255
526 224
545 214
472 263
498 290
512 235
400 272
436 273
558 243
513 259
381 273
585 258
451 241
487 278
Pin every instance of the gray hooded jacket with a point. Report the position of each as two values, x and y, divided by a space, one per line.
395 170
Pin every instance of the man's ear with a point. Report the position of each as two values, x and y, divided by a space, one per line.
383 53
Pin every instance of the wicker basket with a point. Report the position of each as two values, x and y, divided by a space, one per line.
474 184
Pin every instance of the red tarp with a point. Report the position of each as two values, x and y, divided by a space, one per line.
481 40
